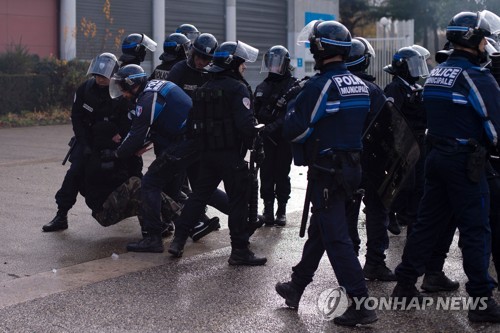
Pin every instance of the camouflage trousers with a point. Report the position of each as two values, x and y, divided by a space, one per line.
124 202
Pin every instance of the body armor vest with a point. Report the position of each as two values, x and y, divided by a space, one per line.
211 121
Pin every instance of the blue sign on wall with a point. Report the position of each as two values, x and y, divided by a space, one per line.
309 16
299 62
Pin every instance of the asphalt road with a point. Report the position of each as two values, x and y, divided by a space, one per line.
83 280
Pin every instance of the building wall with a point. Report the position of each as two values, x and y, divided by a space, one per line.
30 23
35 23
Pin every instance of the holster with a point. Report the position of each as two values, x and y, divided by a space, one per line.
340 159
476 161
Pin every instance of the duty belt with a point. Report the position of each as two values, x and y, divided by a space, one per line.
451 145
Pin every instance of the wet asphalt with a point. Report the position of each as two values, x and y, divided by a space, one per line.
83 280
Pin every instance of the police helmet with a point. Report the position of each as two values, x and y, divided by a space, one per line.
204 46
360 55
409 63
126 79
230 55
276 60
189 31
467 29
175 46
326 39
104 64
134 48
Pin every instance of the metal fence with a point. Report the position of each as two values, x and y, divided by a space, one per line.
384 50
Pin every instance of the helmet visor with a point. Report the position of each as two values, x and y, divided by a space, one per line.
417 66
246 52
104 66
115 87
306 33
422 50
273 63
148 43
492 46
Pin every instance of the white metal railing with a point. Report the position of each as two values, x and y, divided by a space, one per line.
384 50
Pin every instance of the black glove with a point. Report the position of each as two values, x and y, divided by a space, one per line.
108 155
273 127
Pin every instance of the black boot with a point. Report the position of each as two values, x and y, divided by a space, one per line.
281 214
438 281
404 293
491 314
378 272
59 222
177 246
150 243
245 257
290 292
267 216
354 317
393 226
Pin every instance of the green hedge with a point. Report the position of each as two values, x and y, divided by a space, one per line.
32 84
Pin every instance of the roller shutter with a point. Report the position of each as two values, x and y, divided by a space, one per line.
131 16
206 15
262 24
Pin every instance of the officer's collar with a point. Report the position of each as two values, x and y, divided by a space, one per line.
464 54
336 65
365 76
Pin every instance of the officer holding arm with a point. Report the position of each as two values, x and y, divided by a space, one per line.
463 116
91 104
327 118
224 127
160 117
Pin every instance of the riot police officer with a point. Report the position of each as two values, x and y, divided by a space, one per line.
160 116
92 103
175 49
270 109
325 124
408 66
463 116
190 74
134 48
223 125
376 213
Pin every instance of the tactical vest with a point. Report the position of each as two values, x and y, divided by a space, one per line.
99 107
210 121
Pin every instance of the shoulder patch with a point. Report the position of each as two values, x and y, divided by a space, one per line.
138 110
246 102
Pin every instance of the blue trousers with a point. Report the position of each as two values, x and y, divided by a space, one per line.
328 232
448 191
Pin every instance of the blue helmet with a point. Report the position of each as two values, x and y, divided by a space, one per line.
360 55
126 79
467 29
175 46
